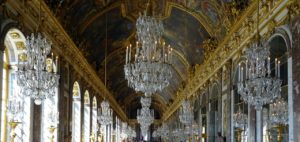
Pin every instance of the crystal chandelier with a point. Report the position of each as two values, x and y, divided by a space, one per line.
105 116
240 119
127 132
145 115
259 87
131 133
150 71
37 75
279 112
179 133
162 132
186 113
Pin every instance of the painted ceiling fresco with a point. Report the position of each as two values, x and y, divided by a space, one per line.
187 24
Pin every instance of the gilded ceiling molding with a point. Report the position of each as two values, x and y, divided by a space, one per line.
64 46
228 48
198 16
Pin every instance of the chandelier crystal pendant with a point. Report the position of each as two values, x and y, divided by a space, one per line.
240 119
145 115
106 116
279 112
186 113
258 87
150 71
37 74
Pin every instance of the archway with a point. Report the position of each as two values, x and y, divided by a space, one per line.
94 118
15 106
76 113
86 117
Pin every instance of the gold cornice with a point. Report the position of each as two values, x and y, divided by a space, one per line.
64 46
230 46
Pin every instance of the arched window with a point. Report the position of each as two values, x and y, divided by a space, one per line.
278 50
239 105
94 118
11 97
50 116
76 113
87 117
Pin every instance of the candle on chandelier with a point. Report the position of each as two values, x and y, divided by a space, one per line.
126 54
52 63
137 51
166 57
239 76
171 54
242 74
276 67
164 51
246 68
130 46
56 65
269 70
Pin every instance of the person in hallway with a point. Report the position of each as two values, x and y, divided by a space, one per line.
219 137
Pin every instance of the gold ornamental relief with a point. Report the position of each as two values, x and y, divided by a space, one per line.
209 45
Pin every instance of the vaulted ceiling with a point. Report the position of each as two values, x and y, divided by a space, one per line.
187 25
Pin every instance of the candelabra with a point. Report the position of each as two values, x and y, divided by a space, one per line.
37 75
52 130
105 117
186 115
13 126
162 132
127 132
240 119
279 116
15 112
53 117
178 133
151 69
15 109
279 112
